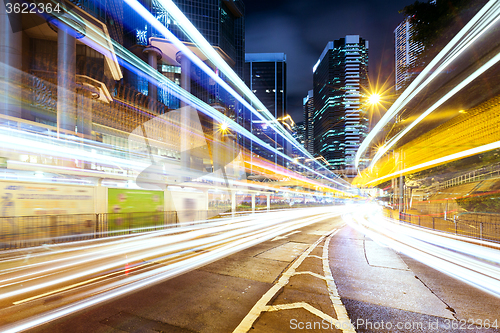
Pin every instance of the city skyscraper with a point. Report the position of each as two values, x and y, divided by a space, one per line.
299 133
405 53
308 103
340 123
265 75
222 24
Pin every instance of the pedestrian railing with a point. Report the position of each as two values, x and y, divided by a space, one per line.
484 173
28 231
481 226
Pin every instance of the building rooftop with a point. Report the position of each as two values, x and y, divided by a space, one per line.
264 57
349 39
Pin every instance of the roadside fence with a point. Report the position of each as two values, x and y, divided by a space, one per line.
481 226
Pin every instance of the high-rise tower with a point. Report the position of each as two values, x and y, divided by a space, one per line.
265 75
405 54
340 123
308 103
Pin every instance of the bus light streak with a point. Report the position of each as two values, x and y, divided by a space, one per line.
219 241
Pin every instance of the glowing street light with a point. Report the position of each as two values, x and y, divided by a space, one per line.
374 99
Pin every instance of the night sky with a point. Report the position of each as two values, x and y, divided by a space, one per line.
301 29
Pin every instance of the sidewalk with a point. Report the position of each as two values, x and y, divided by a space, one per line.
378 285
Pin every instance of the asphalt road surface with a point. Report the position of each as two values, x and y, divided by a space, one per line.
325 277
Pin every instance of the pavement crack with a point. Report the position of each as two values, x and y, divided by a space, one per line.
279 292
397 269
448 307
290 264
364 251
282 272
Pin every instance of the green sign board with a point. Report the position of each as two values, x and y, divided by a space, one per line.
134 208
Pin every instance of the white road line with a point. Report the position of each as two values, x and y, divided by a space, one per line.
345 322
315 256
260 306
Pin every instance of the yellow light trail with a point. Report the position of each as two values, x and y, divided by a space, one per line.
479 25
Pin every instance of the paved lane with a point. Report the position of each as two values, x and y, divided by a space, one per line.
387 292
218 296
317 278
52 284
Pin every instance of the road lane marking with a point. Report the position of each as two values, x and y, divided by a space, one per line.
261 305
305 306
339 307
242 240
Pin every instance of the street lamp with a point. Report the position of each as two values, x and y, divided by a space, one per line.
224 128
374 99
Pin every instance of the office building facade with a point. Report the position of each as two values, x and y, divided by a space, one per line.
222 24
265 75
299 134
406 53
340 122
308 103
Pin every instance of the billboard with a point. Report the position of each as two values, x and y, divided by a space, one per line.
28 199
30 211
129 208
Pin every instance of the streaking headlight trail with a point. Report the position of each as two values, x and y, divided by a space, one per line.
471 263
94 271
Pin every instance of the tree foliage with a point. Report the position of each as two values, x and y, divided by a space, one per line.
481 203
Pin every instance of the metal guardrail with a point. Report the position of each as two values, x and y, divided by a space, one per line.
489 172
484 173
28 231
474 225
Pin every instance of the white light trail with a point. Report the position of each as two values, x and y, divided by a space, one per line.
481 23
473 264
217 241
39 144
